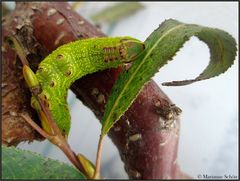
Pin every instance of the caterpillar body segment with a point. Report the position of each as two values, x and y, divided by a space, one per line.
70 62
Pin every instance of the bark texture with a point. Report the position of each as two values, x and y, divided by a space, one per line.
148 133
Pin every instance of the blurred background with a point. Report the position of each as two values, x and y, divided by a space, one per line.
209 122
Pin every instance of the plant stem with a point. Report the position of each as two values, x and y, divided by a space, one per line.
13 41
56 136
64 146
59 141
98 157
34 125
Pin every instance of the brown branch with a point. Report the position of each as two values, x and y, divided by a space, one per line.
147 135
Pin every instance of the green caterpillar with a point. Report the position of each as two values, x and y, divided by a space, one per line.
70 62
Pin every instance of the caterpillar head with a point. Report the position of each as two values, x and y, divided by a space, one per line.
131 49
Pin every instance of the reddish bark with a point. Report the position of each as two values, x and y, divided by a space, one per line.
146 136
15 100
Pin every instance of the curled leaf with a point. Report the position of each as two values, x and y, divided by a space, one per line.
161 46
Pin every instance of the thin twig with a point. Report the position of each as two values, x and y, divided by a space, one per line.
59 141
34 125
64 146
98 157
56 137
14 43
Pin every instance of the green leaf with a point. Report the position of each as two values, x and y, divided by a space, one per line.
117 12
161 46
20 164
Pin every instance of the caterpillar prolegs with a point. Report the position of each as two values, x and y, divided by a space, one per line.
70 62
